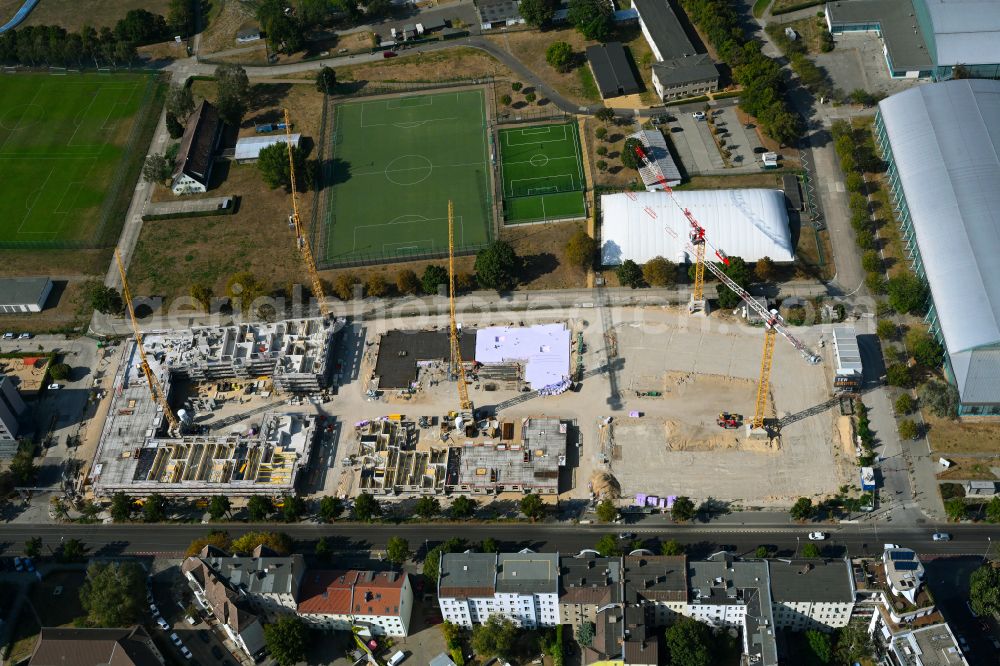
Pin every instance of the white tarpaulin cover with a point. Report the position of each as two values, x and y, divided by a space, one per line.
742 223
249 147
544 349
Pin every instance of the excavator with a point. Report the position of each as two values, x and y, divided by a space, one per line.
729 421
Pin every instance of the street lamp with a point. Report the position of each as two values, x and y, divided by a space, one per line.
796 547
989 542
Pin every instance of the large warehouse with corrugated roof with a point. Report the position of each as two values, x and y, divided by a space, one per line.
942 146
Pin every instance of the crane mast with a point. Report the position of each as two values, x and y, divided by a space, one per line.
302 239
456 351
774 324
155 387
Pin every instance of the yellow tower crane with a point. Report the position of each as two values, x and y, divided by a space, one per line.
155 388
456 352
302 239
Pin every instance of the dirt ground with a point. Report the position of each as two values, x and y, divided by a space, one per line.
224 18
810 31
971 469
947 436
615 175
65 311
74 15
174 254
435 66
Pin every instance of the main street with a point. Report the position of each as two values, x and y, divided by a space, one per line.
857 539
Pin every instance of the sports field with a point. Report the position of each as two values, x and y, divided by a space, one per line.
62 141
396 163
542 173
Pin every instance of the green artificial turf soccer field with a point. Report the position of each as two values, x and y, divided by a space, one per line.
61 142
542 173
397 162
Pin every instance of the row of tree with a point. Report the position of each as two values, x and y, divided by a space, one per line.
54 45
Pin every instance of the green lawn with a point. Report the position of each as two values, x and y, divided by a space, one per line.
396 164
542 173
62 143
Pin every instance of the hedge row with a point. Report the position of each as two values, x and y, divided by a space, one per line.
231 210
796 7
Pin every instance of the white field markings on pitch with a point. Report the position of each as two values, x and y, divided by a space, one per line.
543 189
412 218
17 125
34 196
429 165
530 139
386 105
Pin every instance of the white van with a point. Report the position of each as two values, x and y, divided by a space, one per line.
396 659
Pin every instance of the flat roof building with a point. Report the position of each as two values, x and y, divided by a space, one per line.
941 143
612 70
661 161
248 147
24 294
680 69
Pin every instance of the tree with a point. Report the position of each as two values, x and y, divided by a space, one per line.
601 132
581 248
820 645
532 506
233 93
376 286
608 546
497 266
407 282
993 510
216 538
23 468
853 644
463 507
495 637
941 399
560 56
604 114
761 552
286 639
803 509
180 102
219 507
810 550
739 272
907 293
606 511
278 542
885 329
530 97
489 545
517 85
427 507
324 553
202 294
956 509
293 507
630 160
984 590
689 643
904 404
156 168
629 274
366 507
658 272
671 547
764 270
272 163
592 18
121 507
928 352
537 13
505 99
898 374
330 508
114 593
326 80
602 166
397 550
433 278
259 508
343 286
908 429
174 127
683 509
71 550
585 634
154 509
33 547
243 289
60 371
601 150
180 17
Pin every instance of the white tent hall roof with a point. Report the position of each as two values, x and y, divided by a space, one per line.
748 223
544 349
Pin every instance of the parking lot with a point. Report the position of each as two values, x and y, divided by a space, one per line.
697 149
857 62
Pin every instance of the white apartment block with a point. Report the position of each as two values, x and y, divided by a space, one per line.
811 593
521 586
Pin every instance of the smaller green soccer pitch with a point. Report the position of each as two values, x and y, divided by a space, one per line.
542 173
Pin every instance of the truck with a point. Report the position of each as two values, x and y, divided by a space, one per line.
867 479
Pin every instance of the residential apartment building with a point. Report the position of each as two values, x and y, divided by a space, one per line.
811 593
679 70
11 407
657 584
268 583
228 605
587 582
340 600
521 586
64 646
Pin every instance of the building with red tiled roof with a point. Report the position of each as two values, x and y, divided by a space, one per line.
335 600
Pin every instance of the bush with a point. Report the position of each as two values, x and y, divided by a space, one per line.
601 133
434 276
940 398
505 100
407 282
907 293
602 150
530 97
559 55
629 274
886 329
875 283
899 375
904 404
865 239
658 272
956 509
59 371
517 85
907 429
854 182
871 262
581 249
376 286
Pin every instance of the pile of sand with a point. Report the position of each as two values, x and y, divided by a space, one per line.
605 486
687 437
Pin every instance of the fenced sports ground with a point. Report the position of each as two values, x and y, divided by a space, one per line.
65 146
541 173
396 163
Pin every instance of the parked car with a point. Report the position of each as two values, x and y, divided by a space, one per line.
187 653
176 640
153 609
162 623
396 659
698 115
18 564
626 535
817 536
8 335
55 387
29 565
25 336
941 536
388 54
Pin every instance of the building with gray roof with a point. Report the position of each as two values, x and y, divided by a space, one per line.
612 70
24 294
941 143
587 582
270 583
811 593
680 70
926 38
527 573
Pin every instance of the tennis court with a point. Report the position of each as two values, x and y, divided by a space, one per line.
62 143
542 173
396 163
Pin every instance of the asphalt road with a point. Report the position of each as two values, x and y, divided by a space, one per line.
853 539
